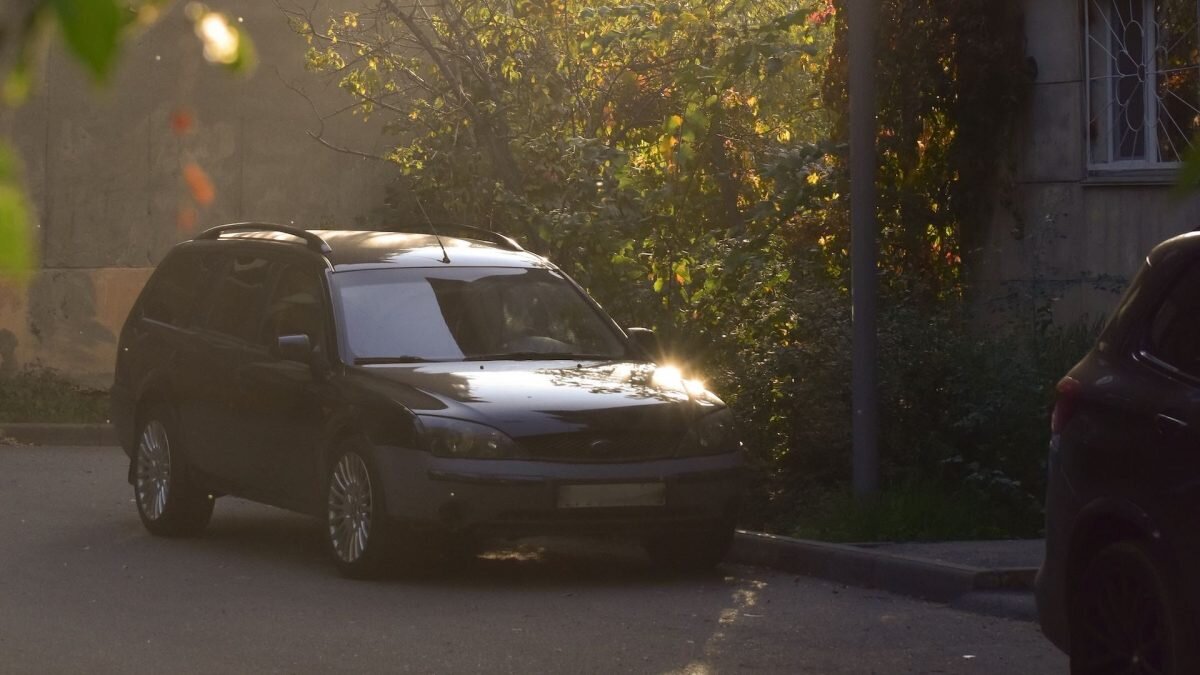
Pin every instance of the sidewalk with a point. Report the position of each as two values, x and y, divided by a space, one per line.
989 577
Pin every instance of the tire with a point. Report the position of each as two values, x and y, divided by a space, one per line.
1126 618
696 551
358 535
168 503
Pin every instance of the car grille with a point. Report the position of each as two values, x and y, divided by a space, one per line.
600 447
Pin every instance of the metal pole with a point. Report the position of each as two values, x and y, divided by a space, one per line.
864 247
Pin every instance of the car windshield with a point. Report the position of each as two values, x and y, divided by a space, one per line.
455 314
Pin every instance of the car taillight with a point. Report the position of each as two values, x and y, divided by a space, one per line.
1064 406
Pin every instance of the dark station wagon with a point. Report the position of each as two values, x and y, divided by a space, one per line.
410 389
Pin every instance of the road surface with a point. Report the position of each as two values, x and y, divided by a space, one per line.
83 588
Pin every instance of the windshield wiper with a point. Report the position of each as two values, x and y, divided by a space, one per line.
369 360
541 356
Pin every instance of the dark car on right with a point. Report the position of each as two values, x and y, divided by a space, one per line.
1120 586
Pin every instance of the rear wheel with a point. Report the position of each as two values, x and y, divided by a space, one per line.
694 551
358 535
1124 617
168 503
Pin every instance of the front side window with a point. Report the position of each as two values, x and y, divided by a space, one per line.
1143 69
1175 329
440 314
295 307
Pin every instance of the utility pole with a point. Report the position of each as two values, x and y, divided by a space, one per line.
864 246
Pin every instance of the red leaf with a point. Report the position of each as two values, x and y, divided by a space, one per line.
199 184
182 121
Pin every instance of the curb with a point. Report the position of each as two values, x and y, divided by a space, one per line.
962 586
58 434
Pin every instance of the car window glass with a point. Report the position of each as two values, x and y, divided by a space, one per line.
295 307
237 302
382 320
176 287
449 314
1175 329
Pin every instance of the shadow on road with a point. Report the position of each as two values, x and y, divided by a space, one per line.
280 538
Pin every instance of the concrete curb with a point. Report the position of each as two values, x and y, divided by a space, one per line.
916 577
58 434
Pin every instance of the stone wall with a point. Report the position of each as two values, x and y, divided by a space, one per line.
104 171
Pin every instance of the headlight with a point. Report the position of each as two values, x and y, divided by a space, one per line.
446 437
713 434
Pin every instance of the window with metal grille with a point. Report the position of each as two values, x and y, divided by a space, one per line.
1143 89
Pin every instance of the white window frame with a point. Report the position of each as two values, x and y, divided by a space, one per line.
1149 91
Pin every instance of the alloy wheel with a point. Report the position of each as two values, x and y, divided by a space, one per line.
350 504
153 470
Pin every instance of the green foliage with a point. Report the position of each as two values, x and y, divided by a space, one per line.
38 394
916 511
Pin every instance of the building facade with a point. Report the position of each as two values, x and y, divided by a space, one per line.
1114 107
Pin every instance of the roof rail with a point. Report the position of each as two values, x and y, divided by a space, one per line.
480 233
313 241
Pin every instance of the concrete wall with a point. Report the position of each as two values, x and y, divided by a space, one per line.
1064 234
104 172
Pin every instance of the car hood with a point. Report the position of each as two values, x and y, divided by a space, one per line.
526 398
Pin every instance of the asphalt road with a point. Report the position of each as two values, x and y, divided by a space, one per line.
83 588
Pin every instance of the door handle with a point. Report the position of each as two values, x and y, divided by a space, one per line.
1169 426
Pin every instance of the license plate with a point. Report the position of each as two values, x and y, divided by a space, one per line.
611 494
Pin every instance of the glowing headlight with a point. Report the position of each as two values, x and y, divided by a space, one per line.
446 437
713 434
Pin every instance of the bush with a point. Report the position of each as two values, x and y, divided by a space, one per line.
964 417
914 511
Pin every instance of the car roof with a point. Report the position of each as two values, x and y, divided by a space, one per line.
1186 243
359 249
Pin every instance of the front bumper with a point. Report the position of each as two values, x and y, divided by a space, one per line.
121 413
519 498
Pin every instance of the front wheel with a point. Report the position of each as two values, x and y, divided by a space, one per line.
696 551
357 532
168 503
1124 617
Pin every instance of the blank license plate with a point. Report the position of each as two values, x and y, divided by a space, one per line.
611 494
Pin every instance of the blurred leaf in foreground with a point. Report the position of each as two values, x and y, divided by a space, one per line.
92 31
1189 174
16 254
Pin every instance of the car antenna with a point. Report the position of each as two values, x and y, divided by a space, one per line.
445 256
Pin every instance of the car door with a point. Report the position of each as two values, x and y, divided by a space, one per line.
1165 479
227 338
282 399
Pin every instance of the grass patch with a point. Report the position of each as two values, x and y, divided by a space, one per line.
38 394
920 511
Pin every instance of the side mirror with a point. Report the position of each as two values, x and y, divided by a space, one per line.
295 348
645 343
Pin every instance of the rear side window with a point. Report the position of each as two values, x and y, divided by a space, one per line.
1175 328
176 287
237 303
